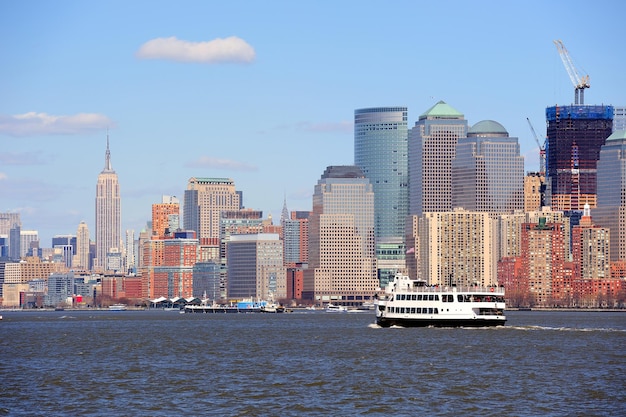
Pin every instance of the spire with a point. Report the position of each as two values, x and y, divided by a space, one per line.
107 156
284 215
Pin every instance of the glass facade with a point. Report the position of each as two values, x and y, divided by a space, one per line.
380 150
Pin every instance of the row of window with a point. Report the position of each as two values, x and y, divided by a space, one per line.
414 310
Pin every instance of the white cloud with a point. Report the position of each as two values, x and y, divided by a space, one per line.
208 162
29 124
231 49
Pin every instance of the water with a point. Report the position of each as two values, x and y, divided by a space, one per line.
157 363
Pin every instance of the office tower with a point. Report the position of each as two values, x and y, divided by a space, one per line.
255 267
81 259
342 262
574 137
27 239
64 248
590 249
619 118
381 151
108 213
296 237
534 190
457 248
432 147
10 228
611 209
206 280
131 262
488 171
205 199
547 239
165 216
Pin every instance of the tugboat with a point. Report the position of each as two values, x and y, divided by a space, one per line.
412 303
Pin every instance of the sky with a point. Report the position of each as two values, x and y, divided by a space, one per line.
264 93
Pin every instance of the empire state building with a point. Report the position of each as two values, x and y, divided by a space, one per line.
108 214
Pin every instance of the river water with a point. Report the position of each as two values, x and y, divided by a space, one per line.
159 363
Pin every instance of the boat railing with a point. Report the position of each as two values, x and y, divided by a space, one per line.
445 288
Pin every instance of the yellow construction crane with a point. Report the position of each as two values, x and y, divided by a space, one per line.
580 83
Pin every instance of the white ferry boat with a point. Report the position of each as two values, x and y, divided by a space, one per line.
411 303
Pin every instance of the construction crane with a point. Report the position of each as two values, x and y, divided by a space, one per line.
580 83
542 149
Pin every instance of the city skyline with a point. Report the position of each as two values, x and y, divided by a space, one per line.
273 104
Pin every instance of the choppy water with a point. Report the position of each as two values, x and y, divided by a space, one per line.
157 363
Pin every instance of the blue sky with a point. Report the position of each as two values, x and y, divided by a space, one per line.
263 92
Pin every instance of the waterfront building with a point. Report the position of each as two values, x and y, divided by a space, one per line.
548 239
457 248
534 190
342 258
28 238
205 199
611 209
108 213
432 147
488 170
381 151
574 137
590 249
255 267
174 276
206 280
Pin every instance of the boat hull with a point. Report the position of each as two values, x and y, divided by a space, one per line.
428 322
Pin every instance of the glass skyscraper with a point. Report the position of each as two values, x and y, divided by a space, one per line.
380 150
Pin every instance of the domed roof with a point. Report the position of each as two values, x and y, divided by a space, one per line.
488 127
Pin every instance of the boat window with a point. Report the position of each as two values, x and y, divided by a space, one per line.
412 310
431 297
460 298
418 310
436 310
436 297
430 310
414 297
397 297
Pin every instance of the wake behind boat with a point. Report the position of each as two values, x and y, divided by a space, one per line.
410 303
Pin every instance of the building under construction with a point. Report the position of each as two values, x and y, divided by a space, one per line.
575 135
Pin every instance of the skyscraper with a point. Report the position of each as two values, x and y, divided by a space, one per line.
574 137
380 150
432 147
165 217
108 213
488 171
342 263
611 209
205 199
81 259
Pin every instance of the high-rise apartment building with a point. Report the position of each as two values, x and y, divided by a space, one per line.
165 217
574 137
534 190
432 147
590 249
342 262
541 272
255 267
381 151
205 199
611 209
108 213
81 258
296 237
488 170
457 248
